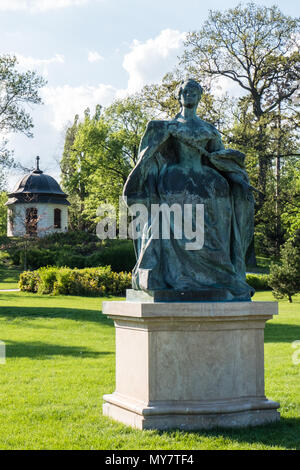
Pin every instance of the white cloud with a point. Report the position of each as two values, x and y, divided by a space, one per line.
94 56
50 120
147 62
224 85
38 5
40 64
65 101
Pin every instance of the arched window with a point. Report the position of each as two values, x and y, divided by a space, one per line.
31 221
57 218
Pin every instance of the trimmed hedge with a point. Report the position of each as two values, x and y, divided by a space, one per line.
89 281
94 281
258 281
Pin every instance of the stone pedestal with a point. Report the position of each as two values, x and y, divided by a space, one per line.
190 365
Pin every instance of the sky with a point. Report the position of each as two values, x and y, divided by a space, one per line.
92 52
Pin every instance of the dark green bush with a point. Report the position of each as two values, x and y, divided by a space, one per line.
70 259
71 249
70 238
4 259
119 256
37 257
285 277
15 256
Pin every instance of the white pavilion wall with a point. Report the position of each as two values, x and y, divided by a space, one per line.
45 224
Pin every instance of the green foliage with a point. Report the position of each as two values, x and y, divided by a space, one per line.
71 249
256 48
95 281
285 277
258 281
120 256
3 213
45 279
99 153
29 281
290 197
66 281
17 88
36 257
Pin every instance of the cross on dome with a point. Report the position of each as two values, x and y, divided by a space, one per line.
37 170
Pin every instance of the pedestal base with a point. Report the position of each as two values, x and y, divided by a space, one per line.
190 365
188 419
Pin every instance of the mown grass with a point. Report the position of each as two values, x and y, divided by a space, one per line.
60 362
9 278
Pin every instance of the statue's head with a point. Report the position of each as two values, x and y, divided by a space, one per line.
189 92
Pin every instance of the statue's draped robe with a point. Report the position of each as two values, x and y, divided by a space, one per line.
228 212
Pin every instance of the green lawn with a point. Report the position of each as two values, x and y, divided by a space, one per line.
60 361
9 278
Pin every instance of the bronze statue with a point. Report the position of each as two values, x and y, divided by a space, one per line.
183 161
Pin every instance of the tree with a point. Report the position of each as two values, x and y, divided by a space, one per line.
275 218
79 164
17 89
285 277
255 47
290 193
3 213
99 153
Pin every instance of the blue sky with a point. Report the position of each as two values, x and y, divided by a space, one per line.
93 51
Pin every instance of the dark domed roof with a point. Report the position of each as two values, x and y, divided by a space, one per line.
38 187
38 183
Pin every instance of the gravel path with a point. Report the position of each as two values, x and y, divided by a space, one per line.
9 290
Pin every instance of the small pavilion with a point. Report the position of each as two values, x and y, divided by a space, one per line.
37 206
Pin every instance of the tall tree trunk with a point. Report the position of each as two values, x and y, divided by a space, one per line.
262 161
277 190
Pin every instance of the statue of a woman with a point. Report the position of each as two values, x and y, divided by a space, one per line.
183 161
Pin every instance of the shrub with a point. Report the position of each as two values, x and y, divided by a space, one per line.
37 257
29 281
258 281
4 258
72 237
285 278
46 279
120 256
89 281
70 259
71 249
15 256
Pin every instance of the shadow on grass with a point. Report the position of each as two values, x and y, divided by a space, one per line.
281 333
11 313
39 350
285 434
9 274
